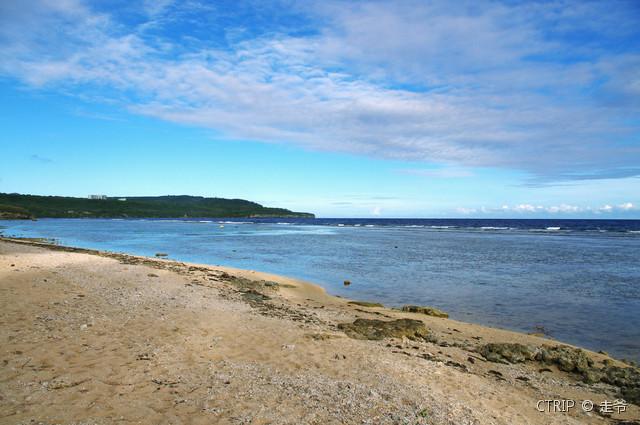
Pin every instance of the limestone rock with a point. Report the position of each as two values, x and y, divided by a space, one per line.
374 329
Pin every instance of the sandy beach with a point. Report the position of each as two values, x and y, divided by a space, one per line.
100 338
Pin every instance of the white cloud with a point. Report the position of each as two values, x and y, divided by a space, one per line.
403 80
551 209
626 206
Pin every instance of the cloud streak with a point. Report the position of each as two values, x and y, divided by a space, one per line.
502 85
562 209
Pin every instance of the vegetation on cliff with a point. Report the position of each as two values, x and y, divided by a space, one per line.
17 206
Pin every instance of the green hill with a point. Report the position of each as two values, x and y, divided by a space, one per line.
13 205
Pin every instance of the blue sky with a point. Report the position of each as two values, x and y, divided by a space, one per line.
390 109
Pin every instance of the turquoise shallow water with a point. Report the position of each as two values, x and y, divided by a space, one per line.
580 280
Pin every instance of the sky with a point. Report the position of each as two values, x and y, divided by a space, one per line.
502 109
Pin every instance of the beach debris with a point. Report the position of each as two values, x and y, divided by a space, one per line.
365 303
321 336
374 329
152 275
289 347
161 254
347 282
144 356
429 311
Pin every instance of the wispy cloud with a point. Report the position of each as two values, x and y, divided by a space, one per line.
561 209
446 172
40 159
498 85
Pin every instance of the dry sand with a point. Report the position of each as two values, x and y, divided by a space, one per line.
89 337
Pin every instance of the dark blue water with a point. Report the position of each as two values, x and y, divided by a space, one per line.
579 279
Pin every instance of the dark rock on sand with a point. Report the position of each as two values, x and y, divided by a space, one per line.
429 311
379 329
365 304
506 353
254 296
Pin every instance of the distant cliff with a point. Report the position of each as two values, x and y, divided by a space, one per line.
16 206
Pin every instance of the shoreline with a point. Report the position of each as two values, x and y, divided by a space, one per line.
454 347
317 288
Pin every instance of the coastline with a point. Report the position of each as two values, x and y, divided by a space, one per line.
299 326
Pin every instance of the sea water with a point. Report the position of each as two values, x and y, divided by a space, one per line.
576 280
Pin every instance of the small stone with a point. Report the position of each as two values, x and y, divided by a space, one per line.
83 327
347 282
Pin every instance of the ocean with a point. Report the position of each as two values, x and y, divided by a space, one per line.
576 280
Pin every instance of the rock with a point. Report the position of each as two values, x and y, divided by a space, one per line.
374 329
631 395
506 353
347 282
152 275
254 296
627 379
429 311
83 327
568 359
365 304
592 376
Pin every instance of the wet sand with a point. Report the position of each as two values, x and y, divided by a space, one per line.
94 337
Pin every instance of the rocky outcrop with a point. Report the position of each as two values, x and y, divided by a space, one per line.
10 212
379 329
506 353
568 359
429 311
571 360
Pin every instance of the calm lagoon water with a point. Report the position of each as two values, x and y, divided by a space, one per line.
579 279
